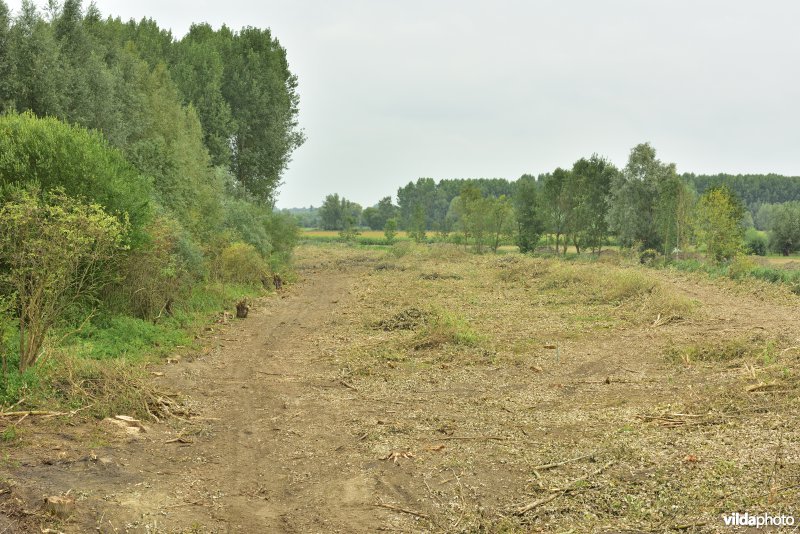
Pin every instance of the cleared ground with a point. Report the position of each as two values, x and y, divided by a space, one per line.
427 389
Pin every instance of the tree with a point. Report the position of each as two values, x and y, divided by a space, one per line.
385 210
528 214
755 242
472 215
416 198
647 202
557 203
337 212
53 247
371 218
763 216
719 229
198 70
784 235
593 178
500 219
349 229
262 95
330 213
376 216
390 230
418 225
6 65
36 64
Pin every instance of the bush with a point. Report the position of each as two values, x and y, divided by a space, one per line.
56 251
755 242
648 256
401 249
157 274
53 155
784 235
241 263
390 231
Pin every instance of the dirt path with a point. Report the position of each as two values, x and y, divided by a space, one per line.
264 453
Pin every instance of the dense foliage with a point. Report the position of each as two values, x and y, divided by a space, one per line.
144 165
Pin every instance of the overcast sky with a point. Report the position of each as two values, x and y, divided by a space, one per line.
396 90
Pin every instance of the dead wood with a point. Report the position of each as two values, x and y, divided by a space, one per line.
556 493
33 412
348 386
488 438
559 464
403 510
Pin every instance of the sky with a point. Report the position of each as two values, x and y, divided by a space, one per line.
396 90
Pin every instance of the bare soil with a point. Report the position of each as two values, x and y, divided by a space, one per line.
539 408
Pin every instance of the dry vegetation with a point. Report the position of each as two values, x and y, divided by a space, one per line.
426 389
514 393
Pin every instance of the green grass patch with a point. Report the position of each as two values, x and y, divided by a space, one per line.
445 328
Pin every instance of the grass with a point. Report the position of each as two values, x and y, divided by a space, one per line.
478 366
743 268
726 350
631 291
102 366
443 328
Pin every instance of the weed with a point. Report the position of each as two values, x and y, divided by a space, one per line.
9 434
721 351
444 328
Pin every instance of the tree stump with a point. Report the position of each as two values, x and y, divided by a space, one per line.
242 307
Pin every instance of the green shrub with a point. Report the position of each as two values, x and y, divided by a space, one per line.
390 230
53 155
401 249
157 274
242 264
57 252
755 242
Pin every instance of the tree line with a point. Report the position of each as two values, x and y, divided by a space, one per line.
646 205
180 142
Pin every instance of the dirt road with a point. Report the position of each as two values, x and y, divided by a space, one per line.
263 453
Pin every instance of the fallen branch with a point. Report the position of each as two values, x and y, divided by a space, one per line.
676 419
348 386
559 464
490 438
403 510
555 494
187 503
33 412
179 440
763 386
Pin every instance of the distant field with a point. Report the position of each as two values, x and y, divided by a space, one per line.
373 237
783 261
372 234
